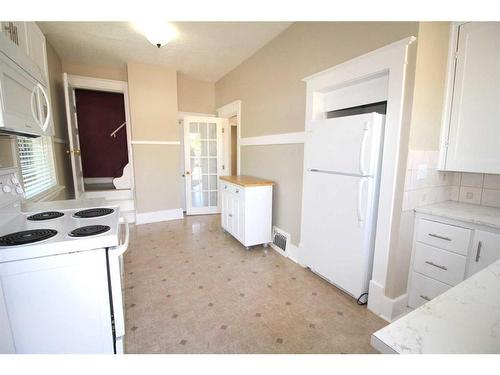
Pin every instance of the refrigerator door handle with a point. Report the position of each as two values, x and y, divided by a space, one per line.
361 186
362 148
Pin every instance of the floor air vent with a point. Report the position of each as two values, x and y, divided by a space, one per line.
280 240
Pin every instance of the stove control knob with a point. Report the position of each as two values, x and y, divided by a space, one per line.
14 180
19 190
6 189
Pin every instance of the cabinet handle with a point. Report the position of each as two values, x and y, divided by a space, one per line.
230 215
436 265
440 237
425 297
237 191
478 253
225 186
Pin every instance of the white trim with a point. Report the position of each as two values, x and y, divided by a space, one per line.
109 85
227 111
156 216
274 139
392 61
156 142
181 115
47 195
100 84
448 93
387 308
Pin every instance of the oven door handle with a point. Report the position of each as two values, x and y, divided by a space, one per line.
123 247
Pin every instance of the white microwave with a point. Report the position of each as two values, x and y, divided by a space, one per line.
24 101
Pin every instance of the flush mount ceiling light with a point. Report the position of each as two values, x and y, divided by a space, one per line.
158 33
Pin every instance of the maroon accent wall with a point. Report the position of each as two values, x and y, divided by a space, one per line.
99 114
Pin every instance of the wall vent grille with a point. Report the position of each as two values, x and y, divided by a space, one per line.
280 239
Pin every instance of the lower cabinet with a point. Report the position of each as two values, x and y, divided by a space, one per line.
246 213
446 252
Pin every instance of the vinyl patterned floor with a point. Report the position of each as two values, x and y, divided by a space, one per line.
190 288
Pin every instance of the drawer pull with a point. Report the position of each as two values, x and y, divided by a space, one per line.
478 253
230 215
440 237
436 265
425 297
237 191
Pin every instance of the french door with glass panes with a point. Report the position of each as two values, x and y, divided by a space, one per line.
203 160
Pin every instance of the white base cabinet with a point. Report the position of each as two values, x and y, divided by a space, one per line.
446 252
246 212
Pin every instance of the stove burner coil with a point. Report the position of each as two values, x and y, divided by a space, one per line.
93 212
26 237
89 230
45 216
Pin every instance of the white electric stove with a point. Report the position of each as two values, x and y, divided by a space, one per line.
60 274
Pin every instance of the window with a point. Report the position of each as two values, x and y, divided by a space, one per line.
37 164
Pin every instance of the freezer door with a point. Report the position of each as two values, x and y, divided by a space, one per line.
337 229
349 144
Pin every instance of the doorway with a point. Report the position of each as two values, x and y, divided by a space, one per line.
100 140
203 163
103 138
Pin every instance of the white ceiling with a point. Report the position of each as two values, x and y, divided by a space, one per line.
203 50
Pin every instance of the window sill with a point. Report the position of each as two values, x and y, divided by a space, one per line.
48 194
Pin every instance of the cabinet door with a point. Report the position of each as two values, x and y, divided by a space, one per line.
485 250
223 209
17 33
37 48
474 131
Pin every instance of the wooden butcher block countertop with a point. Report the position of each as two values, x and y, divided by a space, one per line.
246 181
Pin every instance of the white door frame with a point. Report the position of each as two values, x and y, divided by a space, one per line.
227 111
108 85
391 60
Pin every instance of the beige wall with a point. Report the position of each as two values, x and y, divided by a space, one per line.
281 163
430 77
270 86
153 110
115 72
195 96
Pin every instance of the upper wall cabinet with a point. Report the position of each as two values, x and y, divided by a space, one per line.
27 40
471 122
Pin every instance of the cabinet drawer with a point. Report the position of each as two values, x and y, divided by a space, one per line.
439 264
423 289
444 236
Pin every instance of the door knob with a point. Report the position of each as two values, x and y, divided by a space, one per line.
68 152
77 152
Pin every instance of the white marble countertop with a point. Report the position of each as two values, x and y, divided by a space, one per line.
472 213
464 319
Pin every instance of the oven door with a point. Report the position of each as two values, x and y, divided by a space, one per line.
115 256
24 102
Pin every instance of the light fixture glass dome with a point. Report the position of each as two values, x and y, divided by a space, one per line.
157 32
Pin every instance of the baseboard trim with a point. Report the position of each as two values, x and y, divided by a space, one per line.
291 253
156 216
387 308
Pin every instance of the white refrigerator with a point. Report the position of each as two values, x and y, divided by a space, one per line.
342 159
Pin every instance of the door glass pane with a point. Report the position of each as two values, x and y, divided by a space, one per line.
213 148
212 165
199 199
213 198
212 131
203 151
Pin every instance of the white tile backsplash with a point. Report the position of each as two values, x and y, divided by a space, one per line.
424 184
472 180
470 194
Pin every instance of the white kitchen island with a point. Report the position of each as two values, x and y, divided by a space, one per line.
464 319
